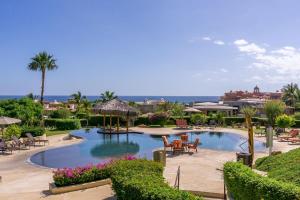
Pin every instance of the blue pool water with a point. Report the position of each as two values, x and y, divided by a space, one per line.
101 147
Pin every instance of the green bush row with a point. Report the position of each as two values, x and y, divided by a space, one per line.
244 184
63 124
143 179
283 167
234 120
35 131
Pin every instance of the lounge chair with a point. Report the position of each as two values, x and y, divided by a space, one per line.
166 143
181 123
34 140
18 143
295 140
292 134
184 138
177 146
5 147
194 145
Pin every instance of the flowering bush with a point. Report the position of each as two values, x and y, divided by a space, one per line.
158 119
89 173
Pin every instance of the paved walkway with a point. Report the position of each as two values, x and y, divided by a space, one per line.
199 172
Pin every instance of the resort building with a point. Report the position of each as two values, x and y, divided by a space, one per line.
149 106
210 107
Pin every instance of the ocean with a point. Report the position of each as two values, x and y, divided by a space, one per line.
181 99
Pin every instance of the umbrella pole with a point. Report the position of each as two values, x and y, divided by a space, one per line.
110 123
118 124
127 119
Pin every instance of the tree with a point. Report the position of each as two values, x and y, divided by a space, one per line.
290 94
284 121
199 118
78 98
108 96
42 62
12 130
249 112
177 110
273 109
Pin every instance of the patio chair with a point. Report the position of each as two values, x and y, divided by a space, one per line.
34 140
184 138
194 145
166 143
292 134
177 146
293 141
5 147
181 123
18 143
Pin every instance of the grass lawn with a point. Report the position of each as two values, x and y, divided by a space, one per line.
284 167
56 132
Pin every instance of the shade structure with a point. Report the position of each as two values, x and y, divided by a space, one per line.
5 121
117 108
192 110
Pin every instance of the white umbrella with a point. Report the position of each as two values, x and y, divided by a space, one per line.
192 110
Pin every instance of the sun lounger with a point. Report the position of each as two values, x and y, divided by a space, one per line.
166 143
194 145
181 123
293 141
5 147
18 143
292 134
34 140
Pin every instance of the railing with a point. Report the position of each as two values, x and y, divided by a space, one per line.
177 180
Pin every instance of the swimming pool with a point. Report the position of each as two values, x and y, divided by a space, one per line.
101 147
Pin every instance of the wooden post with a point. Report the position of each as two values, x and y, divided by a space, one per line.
127 119
110 123
118 124
104 125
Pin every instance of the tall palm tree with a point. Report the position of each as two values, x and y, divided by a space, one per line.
290 94
273 109
42 62
107 96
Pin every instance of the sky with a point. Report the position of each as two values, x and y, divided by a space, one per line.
150 47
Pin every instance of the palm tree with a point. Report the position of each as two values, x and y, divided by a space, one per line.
42 62
107 96
273 109
249 112
290 94
78 98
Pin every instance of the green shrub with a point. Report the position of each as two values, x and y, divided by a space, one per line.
97 120
284 121
35 131
158 119
82 115
142 120
199 118
233 120
244 184
284 167
63 124
143 180
60 114
12 130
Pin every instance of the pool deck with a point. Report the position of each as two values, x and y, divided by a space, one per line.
199 171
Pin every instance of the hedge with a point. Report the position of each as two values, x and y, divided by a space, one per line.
283 167
35 131
143 180
63 124
244 184
234 120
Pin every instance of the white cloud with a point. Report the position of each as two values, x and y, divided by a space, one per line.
206 38
219 42
277 66
223 70
240 42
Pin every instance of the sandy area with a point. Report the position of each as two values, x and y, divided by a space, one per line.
199 171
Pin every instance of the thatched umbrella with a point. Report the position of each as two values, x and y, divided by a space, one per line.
115 107
5 121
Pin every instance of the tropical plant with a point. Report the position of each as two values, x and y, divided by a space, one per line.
164 106
273 109
297 115
290 94
42 62
78 97
12 130
159 118
60 114
199 118
177 110
107 96
218 117
284 121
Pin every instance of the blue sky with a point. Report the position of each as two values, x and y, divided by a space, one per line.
150 47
